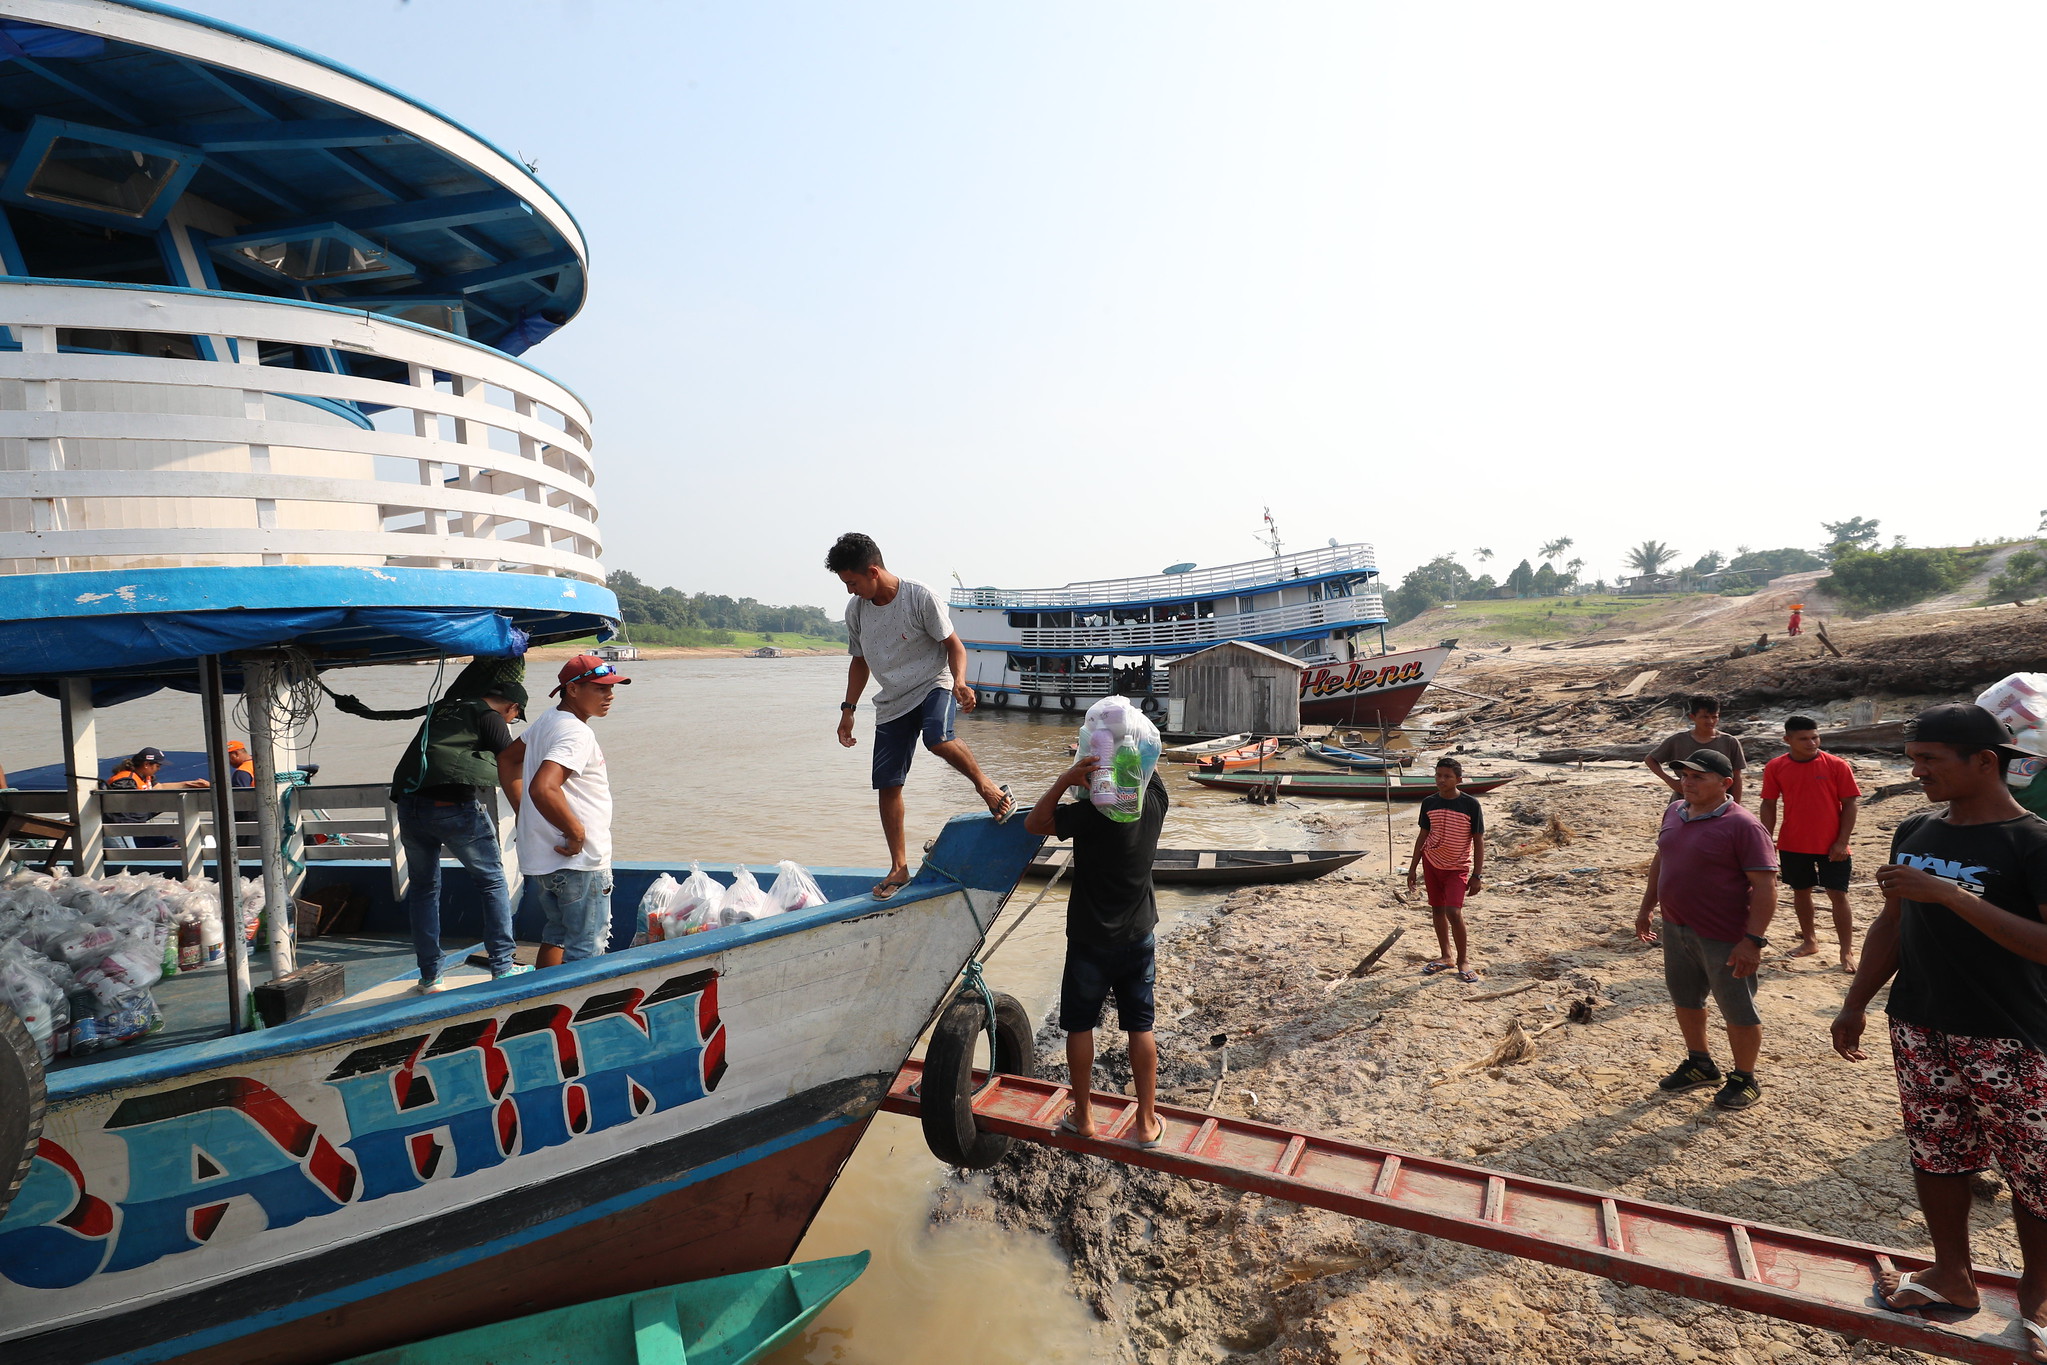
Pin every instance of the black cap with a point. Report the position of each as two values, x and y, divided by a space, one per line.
1964 725
1707 761
147 756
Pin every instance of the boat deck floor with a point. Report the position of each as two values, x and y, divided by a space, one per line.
376 968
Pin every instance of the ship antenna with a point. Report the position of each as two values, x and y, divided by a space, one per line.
1271 536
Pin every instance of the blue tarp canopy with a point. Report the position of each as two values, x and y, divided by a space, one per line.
179 765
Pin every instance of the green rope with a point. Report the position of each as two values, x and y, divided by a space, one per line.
287 822
972 980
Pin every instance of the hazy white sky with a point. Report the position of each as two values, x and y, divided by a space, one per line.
1062 290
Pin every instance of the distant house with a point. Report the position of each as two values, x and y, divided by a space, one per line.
1233 687
1648 583
1725 579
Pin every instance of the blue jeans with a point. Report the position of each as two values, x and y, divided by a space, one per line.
577 906
466 831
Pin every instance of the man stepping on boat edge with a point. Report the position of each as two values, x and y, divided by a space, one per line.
899 635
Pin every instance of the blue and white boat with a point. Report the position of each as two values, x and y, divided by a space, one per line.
264 413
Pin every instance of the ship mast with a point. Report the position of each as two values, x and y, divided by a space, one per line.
1270 536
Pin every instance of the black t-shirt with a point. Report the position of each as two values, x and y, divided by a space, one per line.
1110 904
493 734
1952 977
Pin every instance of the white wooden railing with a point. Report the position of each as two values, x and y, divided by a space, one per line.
362 813
475 460
1138 638
1223 580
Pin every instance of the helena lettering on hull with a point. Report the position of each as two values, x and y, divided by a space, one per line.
445 1103
1361 676
1377 691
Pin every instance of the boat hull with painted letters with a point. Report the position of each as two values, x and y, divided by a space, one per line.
1377 691
358 1180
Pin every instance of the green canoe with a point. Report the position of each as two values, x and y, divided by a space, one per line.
727 1321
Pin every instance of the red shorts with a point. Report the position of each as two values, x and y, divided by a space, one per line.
1972 1103
1444 885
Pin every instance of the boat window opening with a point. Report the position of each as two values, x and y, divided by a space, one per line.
64 249
123 181
314 259
1023 619
442 317
161 345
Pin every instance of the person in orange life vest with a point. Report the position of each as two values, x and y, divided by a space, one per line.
139 774
242 768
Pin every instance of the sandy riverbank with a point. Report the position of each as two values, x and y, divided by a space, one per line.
1186 1273
560 653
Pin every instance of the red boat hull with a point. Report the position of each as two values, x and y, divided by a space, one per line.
1377 691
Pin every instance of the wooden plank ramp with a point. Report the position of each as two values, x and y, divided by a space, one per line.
1782 1272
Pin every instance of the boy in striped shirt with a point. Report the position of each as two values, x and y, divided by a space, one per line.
1449 852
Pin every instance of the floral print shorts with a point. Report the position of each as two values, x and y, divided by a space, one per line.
1972 1103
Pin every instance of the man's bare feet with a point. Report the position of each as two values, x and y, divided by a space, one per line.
1848 963
2033 1327
1957 1287
1805 949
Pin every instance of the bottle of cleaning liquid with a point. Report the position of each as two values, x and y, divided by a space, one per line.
1101 783
1128 772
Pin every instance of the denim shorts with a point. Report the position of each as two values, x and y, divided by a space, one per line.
1094 974
577 906
1694 967
895 741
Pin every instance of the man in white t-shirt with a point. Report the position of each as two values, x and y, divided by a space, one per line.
899 635
565 820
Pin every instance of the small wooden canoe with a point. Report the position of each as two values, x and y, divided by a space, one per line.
1243 757
730 1320
1340 757
1368 786
1200 749
1219 866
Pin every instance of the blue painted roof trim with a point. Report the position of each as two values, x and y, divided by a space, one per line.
520 361
143 592
1348 575
222 26
972 851
1158 651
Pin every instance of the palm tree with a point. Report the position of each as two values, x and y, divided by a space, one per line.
1552 548
1650 556
1482 554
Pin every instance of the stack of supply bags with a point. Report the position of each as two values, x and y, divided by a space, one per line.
671 909
2020 701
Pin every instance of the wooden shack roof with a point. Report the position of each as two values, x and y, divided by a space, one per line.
1245 645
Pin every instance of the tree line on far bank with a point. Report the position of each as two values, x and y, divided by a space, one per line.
670 616
1867 575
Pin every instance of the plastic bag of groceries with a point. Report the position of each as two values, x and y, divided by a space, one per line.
744 900
2020 701
793 888
697 904
1126 748
31 994
653 906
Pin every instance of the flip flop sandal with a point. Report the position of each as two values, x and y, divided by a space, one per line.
1432 968
888 888
1934 1298
1007 808
1469 978
1065 1125
2033 1330
1149 1143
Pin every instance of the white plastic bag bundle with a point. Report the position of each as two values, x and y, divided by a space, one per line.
744 901
697 904
1111 722
654 907
793 888
2020 701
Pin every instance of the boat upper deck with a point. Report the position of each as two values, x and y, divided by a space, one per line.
1251 576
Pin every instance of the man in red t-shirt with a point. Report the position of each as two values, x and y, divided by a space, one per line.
1819 796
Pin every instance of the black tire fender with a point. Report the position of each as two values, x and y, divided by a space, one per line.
946 1094
1149 704
22 1104
1037 700
1066 702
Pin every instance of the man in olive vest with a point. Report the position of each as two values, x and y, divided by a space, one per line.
439 788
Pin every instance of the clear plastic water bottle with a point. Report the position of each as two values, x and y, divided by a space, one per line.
1127 774
1101 783
85 1024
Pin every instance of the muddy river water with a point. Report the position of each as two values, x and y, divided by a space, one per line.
736 760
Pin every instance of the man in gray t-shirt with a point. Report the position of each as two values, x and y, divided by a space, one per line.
899 635
1704 734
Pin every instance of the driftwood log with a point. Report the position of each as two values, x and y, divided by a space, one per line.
1887 738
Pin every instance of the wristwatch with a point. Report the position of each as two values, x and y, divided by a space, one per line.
849 706
1757 939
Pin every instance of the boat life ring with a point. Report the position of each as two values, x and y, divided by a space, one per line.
1149 704
946 1094
1037 700
22 1104
1066 702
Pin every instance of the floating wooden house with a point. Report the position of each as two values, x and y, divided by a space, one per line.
1234 687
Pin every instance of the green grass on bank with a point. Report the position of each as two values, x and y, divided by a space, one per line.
1544 618
718 639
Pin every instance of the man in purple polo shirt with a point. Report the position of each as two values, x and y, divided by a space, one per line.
1715 877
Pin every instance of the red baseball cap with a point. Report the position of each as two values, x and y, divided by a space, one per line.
587 668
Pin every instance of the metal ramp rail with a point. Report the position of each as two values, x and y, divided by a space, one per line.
1797 1276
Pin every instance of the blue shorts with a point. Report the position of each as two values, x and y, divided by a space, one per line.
895 741
1094 974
